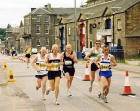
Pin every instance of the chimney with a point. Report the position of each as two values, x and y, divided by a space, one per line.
48 6
32 9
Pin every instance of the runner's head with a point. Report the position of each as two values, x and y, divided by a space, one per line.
43 51
68 48
55 48
106 49
97 44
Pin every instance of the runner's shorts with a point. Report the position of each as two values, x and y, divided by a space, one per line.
28 55
106 74
71 71
94 67
53 74
41 76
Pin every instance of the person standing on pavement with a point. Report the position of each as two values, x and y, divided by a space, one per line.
28 55
38 64
106 62
53 62
69 58
92 56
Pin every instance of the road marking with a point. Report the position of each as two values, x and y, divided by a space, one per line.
131 96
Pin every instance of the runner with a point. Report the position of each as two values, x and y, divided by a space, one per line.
28 55
106 62
38 64
54 60
69 58
92 56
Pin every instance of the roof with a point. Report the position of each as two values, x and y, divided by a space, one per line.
110 7
135 33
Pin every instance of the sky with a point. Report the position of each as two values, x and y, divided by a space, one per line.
13 11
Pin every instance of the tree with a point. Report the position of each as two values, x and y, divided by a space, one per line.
2 31
9 26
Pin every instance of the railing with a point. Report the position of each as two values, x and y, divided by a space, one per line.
118 54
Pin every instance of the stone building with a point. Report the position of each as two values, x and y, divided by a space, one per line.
39 26
111 21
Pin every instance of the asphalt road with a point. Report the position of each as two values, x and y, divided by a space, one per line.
22 96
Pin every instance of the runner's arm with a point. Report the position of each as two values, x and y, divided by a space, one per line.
90 53
34 65
75 58
98 60
61 58
113 61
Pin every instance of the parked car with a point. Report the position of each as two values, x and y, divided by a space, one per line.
34 51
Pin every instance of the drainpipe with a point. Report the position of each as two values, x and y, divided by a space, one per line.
87 33
113 31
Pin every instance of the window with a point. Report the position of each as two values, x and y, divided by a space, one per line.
47 19
38 42
108 24
46 28
69 31
91 43
37 19
119 26
90 28
47 41
38 29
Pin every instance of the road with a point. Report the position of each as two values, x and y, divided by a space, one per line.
22 96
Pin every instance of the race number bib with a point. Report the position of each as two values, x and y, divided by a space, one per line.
104 66
68 62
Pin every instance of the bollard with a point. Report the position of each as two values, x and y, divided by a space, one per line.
11 76
5 66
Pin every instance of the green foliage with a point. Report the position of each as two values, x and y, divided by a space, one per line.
9 26
2 31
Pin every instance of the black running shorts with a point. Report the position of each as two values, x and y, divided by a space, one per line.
94 67
71 71
53 74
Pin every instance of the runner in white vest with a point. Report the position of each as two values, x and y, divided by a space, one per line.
38 64
106 62
53 61
92 56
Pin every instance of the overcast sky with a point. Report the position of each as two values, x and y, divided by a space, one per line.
12 11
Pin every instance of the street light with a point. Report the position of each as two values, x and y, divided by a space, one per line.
75 28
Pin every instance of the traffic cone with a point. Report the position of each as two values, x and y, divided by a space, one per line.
127 88
87 72
11 76
5 66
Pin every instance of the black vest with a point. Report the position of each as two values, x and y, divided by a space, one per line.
68 62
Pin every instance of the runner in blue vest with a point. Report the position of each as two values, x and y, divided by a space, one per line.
92 56
106 62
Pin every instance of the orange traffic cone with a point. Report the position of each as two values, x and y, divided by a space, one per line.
87 72
127 87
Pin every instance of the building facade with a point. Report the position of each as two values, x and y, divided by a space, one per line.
114 22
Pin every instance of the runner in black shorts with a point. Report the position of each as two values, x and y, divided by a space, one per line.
54 60
28 55
69 58
92 56
38 64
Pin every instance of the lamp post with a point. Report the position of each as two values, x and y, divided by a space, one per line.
75 26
